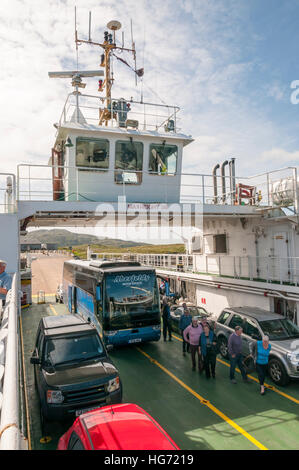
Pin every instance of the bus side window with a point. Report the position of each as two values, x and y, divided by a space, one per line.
99 309
98 293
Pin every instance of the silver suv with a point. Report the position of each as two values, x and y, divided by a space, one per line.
283 334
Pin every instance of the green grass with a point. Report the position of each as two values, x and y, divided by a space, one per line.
81 250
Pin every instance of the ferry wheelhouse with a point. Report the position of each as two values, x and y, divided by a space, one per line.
107 147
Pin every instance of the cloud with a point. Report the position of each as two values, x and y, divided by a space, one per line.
280 157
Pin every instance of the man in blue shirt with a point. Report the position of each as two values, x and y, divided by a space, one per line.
5 282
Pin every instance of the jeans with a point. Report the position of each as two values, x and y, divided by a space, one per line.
236 361
194 352
185 343
261 372
209 364
166 327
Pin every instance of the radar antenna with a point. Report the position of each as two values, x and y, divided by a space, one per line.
77 83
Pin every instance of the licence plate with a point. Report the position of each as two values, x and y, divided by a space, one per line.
80 412
135 340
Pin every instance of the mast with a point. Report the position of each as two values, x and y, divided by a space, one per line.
108 46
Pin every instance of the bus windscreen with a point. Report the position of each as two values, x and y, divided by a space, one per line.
131 299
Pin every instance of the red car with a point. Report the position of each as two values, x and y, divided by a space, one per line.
116 427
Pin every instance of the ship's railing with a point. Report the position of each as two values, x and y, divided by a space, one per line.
11 408
271 189
7 193
271 269
150 116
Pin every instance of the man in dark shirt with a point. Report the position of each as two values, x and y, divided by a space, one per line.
185 321
235 354
166 320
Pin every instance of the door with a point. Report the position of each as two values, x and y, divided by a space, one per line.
39 351
280 260
251 333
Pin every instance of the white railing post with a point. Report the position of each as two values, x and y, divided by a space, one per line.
296 195
77 184
29 185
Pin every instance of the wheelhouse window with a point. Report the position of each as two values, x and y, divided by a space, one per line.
128 162
92 153
163 159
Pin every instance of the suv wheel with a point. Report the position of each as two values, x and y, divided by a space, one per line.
223 349
277 372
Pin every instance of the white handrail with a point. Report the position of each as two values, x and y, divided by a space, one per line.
10 433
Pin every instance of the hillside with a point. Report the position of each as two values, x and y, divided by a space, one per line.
65 238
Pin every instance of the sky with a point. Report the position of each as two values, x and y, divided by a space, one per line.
228 64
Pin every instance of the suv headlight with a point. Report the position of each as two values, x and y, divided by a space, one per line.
113 385
293 357
54 396
157 327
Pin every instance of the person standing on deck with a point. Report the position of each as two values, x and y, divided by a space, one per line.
5 282
208 349
260 351
166 319
235 354
191 335
185 320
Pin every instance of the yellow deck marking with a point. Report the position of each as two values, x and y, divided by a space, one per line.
53 309
270 387
45 439
36 295
206 402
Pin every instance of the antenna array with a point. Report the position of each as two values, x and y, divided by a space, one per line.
108 46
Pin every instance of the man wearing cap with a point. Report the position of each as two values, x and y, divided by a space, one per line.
235 354
5 282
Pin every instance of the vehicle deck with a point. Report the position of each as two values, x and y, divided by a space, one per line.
197 413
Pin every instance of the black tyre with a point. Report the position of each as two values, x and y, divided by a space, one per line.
277 372
222 346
